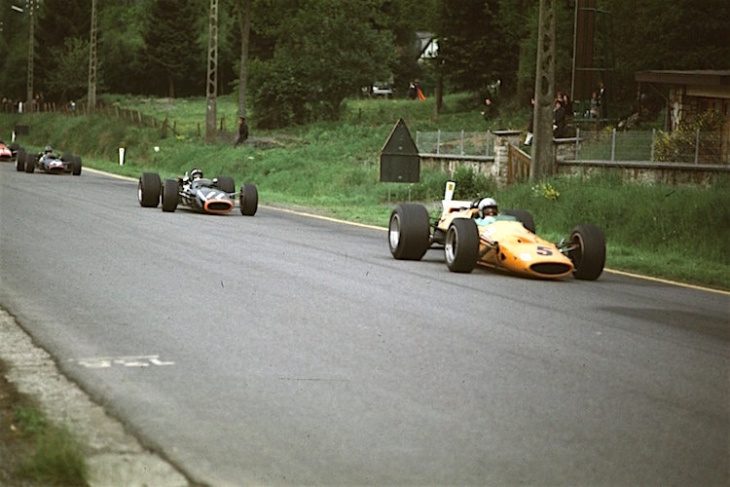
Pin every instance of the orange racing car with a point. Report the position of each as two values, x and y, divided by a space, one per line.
504 241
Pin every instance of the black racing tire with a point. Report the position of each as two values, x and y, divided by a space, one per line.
170 195
148 190
20 160
248 200
76 171
30 163
525 217
588 253
66 157
226 184
461 247
409 231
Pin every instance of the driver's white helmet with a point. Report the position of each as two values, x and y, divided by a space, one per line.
488 207
196 174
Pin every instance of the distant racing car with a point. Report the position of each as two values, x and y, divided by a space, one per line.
49 162
193 191
504 241
8 152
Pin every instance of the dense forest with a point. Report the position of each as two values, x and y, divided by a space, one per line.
305 57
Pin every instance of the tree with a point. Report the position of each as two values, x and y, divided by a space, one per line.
60 23
121 49
13 53
69 79
470 44
174 51
404 19
312 71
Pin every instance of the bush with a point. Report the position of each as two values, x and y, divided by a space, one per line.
680 145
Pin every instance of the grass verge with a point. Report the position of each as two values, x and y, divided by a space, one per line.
34 452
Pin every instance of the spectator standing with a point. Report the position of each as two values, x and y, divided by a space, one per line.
531 121
558 120
603 101
595 106
489 110
242 132
568 105
412 91
419 90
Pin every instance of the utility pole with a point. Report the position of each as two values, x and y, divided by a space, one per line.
31 52
244 8
91 96
212 84
543 154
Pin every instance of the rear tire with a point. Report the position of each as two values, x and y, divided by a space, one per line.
589 254
525 217
226 184
76 166
148 190
409 232
461 247
249 199
30 164
170 195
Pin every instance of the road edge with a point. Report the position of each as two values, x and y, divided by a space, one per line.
114 457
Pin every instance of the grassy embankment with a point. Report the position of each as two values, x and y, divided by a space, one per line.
34 451
672 232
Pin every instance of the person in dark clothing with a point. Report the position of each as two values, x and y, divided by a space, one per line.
603 100
558 120
530 122
242 132
489 110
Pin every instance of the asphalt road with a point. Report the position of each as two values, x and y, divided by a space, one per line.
283 349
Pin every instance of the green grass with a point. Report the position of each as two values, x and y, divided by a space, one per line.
58 458
672 232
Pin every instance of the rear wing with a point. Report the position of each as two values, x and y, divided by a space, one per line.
449 204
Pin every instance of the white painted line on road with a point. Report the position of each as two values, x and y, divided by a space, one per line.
133 361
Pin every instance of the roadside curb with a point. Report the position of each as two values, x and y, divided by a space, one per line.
113 456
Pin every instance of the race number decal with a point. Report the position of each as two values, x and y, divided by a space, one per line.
544 250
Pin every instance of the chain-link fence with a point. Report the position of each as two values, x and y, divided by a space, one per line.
456 143
653 146
607 144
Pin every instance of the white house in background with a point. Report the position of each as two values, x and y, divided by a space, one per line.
426 46
692 93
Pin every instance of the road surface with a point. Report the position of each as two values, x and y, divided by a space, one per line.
284 349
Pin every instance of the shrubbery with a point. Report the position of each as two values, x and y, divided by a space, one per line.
681 145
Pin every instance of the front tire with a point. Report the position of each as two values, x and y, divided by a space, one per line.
148 190
249 199
20 160
461 247
409 231
170 195
589 252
